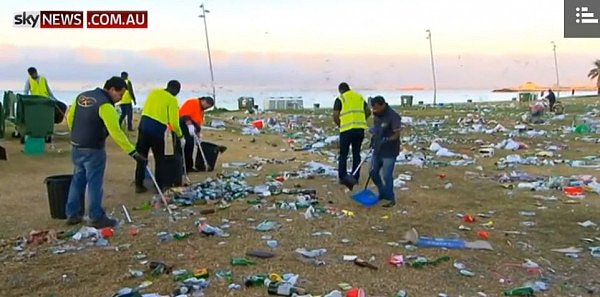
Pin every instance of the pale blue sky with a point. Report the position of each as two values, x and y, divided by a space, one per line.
305 43
313 26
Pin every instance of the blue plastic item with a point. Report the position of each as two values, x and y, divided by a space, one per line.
440 243
366 197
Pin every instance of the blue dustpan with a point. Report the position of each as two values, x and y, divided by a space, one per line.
366 197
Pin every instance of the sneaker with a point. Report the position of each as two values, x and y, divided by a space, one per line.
140 189
389 204
347 183
104 222
74 220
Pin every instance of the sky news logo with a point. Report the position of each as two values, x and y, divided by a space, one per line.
94 19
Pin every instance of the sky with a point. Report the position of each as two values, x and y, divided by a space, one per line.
304 44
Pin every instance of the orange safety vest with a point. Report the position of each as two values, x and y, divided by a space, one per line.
193 109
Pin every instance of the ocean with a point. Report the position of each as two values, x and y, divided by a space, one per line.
229 99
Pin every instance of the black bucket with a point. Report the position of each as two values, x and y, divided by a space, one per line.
170 171
211 152
58 194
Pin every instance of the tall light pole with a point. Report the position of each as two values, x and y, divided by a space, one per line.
432 67
212 75
556 69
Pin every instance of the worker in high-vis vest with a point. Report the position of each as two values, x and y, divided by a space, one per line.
160 110
37 84
191 118
350 113
91 119
127 103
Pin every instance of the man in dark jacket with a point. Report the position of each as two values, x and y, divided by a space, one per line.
551 99
386 146
91 119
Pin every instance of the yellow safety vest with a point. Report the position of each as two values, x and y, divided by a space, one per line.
38 88
352 115
127 99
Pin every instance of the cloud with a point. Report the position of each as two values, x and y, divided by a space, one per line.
85 66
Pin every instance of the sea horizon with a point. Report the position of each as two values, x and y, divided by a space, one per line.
325 99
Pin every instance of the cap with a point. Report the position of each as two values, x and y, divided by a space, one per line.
377 100
208 100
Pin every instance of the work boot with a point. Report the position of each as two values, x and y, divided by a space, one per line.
104 222
389 204
74 220
140 189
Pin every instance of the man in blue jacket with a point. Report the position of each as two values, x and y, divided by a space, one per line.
91 119
386 146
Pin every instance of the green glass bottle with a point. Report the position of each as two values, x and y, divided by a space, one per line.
241 262
521 291
256 280
183 276
181 235
254 201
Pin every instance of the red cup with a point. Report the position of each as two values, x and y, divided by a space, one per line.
573 191
483 234
355 292
107 232
258 124
443 175
468 218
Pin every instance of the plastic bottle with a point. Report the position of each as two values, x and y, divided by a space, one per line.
283 289
521 291
527 213
401 293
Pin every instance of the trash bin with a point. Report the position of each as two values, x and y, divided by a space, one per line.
406 100
35 116
525 97
2 124
211 152
170 171
245 103
58 193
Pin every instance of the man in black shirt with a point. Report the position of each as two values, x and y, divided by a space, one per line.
551 99
386 145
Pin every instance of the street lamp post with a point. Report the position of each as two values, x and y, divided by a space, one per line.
212 76
556 69
432 67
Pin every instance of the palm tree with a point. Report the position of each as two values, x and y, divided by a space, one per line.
595 74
